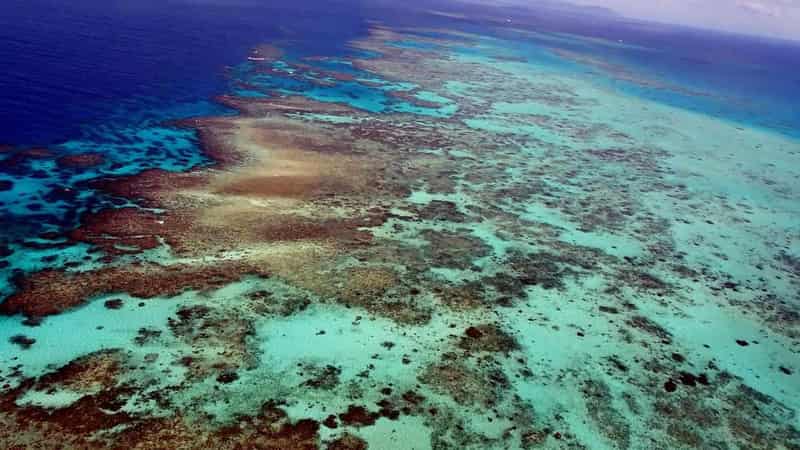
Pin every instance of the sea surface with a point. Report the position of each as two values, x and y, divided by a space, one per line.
644 176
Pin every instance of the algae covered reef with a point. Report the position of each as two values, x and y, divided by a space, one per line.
437 241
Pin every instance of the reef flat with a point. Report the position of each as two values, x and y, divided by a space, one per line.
439 241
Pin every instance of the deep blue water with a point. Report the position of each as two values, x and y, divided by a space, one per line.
69 64
73 64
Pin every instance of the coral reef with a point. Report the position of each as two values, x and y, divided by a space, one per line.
393 252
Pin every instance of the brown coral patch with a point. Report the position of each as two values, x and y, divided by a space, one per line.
32 426
375 289
224 227
348 441
97 421
455 250
287 161
94 371
466 385
274 186
358 416
120 231
462 297
81 161
53 291
369 282
643 280
87 415
271 429
151 186
638 158
439 210
650 327
487 338
203 327
290 159
540 269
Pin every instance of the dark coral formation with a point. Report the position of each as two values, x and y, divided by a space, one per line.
487 338
347 442
80 161
24 342
54 291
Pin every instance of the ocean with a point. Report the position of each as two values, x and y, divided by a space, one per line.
350 224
